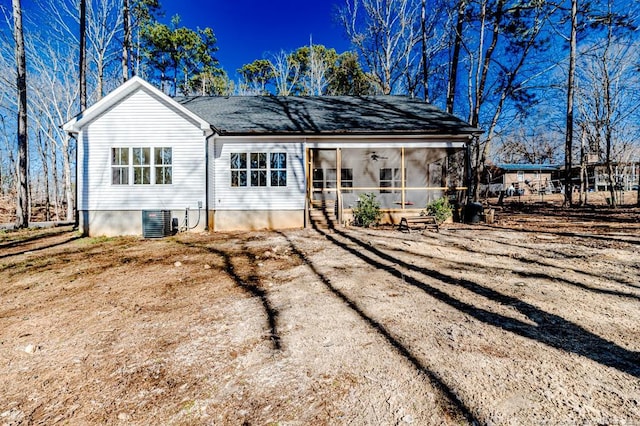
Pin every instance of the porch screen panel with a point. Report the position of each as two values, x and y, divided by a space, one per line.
324 174
373 170
416 161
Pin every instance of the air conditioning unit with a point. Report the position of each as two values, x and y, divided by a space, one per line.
156 223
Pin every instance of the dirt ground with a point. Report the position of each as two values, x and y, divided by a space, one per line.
532 320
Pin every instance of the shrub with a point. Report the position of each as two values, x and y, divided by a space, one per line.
367 211
439 208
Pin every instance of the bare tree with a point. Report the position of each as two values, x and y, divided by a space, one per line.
126 39
608 105
495 80
22 208
8 108
82 65
522 144
384 35
54 101
286 73
318 73
452 86
102 40
568 150
102 33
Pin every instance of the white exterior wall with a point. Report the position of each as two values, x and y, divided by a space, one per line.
141 120
226 197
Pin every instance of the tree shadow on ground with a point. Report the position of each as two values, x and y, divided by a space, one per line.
608 238
250 283
450 401
44 239
549 329
529 274
526 259
589 213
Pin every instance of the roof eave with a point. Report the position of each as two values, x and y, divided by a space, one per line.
430 134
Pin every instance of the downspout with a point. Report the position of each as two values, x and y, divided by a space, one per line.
76 218
206 179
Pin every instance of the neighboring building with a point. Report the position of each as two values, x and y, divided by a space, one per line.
525 179
625 176
243 163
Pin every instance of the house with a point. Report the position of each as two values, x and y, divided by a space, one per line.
524 179
263 162
625 175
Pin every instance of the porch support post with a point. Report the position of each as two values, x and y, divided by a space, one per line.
403 183
339 183
468 171
309 176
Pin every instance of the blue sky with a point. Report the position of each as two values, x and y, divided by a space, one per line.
253 29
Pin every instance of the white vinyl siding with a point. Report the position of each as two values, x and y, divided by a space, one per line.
278 183
142 121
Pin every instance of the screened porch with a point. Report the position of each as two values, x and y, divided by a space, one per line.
402 179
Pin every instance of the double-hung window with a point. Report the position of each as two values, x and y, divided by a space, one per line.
119 166
389 179
163 160
346 180
258 169
238 169
278 169
141 166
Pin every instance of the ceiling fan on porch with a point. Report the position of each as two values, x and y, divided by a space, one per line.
376 157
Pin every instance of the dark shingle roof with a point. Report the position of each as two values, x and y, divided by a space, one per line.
251 115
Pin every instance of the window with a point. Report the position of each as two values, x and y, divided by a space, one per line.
389 178
331 179
278 169
163 160
238 169
123 160
346 180
258 169
141 166
318 178
120 166
521 176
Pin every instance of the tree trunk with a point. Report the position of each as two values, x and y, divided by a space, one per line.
45 172
22 207
455 58
568 144
100 72
72 213
425 72
82 58
54 173
126 43
584 177
68 188
608 108
638 193
475 118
